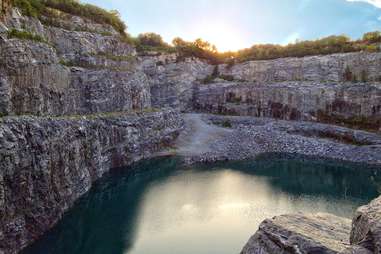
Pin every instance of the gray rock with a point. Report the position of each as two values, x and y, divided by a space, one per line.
356 105
362 65
307 234
366 226
46 164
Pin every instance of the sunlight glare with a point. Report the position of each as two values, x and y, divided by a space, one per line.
224 37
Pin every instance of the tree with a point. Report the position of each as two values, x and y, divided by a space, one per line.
151 40
372 37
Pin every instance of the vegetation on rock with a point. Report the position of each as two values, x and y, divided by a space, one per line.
36 8
24 35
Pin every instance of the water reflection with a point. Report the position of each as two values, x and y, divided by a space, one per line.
160 208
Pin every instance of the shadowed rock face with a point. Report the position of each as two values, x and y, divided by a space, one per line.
47 164
357 105
309 88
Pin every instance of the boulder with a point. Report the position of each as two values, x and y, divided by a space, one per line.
307 234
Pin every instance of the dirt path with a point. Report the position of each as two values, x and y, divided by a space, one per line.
198 136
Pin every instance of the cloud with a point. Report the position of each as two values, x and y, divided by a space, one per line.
376 3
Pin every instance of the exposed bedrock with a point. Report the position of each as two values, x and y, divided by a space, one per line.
319 233
356 105
336 67
48 163
73 72
172 82
296 234
366 230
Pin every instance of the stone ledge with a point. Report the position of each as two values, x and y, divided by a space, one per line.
300 234
320 233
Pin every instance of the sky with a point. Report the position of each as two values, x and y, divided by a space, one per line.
237 24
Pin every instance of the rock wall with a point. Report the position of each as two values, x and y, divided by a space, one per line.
81 83
173 82
366 227
320 233
360 66
71 72
48 163
309 88
354 104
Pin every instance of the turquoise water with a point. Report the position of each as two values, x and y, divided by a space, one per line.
161 207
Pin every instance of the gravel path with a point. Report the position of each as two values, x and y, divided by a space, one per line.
203 140
198 136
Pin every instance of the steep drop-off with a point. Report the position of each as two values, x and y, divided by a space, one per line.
72 103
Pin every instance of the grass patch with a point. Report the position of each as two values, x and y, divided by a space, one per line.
24 35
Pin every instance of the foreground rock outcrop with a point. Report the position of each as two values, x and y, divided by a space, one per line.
320 233
47 164
366 227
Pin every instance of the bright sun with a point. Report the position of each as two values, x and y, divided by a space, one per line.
223 36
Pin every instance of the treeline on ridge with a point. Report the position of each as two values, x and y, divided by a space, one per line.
370 42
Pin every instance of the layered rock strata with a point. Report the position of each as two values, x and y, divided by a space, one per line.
355 105
48 163
70 71
321 233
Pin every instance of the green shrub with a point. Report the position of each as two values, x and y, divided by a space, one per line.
31 8
36 8
24 35
227 124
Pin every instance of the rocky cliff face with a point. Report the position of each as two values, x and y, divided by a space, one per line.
173 82
310 88
82 84
357 105
72 72
333 68
48 163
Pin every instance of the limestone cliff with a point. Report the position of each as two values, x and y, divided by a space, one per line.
48 163
72 103
70 72
308 88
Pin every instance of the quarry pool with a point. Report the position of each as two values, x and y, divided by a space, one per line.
161 207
